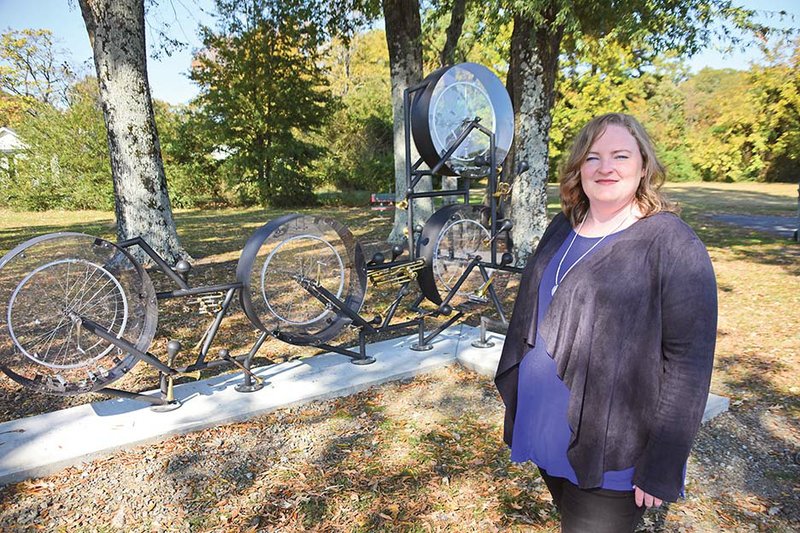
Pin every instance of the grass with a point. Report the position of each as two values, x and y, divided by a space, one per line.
450 468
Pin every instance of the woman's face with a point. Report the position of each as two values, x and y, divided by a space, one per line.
612 170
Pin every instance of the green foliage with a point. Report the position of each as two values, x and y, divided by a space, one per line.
723 137
196 175
776 92
65 163
262 91
485 36
32 67
359 154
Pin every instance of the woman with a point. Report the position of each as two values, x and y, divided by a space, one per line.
607 361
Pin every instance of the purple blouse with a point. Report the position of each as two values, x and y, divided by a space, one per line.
541 430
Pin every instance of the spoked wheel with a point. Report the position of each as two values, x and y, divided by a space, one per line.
289 258
451 239
47 285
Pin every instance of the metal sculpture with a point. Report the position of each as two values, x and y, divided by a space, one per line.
78 311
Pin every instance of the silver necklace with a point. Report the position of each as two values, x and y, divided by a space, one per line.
558 269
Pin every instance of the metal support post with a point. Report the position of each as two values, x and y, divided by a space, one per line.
422 345
248 385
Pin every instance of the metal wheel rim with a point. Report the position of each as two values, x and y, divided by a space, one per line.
267 262
442 235
83 362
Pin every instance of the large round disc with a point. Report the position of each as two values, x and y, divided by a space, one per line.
286 253
441 111
451 239
46 285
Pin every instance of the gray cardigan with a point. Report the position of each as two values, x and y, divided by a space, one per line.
632 331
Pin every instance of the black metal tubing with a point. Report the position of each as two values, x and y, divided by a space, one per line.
162 265
212 332
325 296
340 350
194 291
460 139
497 266
435 333
492 294
401 325
431 194
472 264
248 359
393 307
407 138
126 346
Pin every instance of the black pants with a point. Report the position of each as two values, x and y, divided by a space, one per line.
593 510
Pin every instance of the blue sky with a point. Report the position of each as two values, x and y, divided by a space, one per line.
168 76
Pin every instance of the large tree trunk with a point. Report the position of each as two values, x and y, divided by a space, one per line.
531 81
404 40
116 32
448 57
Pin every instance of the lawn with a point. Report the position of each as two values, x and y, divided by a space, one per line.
425 455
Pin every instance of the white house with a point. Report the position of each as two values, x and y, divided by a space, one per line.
9 142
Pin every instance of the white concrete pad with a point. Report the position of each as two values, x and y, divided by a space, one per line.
40 445
484 361
43 444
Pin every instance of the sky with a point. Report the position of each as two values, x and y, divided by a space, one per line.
168 76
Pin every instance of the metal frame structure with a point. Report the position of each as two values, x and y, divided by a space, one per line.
221 298
217 299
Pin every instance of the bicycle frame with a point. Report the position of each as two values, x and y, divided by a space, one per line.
167 372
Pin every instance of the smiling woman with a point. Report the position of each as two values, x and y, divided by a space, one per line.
608 356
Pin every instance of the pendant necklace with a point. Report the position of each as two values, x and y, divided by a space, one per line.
558 269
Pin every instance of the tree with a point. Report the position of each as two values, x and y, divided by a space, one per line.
359 135
403 38
116 33
776 93
537 41
723 135
263 89
33 68
65 162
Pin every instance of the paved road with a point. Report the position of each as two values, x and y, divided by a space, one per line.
783 226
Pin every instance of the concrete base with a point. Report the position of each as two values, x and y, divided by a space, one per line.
43 444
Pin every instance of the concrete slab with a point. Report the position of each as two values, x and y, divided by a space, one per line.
43 444
484 361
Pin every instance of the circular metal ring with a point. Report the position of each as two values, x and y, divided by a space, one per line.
454 96
450 239
47 284
288 252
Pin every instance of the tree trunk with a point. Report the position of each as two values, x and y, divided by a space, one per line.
116 33
531 81
457 16
404 40
448 57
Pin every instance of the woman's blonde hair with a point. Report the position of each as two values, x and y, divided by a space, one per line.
649 198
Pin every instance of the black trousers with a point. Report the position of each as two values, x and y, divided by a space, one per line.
593 510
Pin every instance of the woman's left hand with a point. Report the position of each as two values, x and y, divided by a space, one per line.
642 497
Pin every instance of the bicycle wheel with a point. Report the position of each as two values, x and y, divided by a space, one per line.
288 251
47 285
450 240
